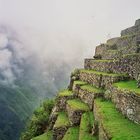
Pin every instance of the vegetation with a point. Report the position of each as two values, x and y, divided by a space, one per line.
77 104
39 120
16 107
46 136
72 134
65 93
86 126
104 60
62 120
128 85
78 82
116 125
102 73
91 88
75 72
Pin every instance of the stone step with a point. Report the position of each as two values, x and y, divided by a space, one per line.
75 108
62 98
112 124
72 134
61 125
100 79
87 93
109 66
126 96
46 136
86 125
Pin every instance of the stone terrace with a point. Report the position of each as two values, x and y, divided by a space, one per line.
103 100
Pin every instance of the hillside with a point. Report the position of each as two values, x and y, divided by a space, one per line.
102 100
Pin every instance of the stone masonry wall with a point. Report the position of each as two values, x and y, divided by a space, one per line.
127 102
85 95
132 30
61 102
74 115
103 66
100 80
127 44
128 64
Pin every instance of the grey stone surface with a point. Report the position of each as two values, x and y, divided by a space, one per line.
127 102
99 80
74 115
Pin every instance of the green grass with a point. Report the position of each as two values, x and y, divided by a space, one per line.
45 136
77 104
131 55
78 82
62 120
115 124
86 124
105 60
103 73
91 88
128 85
112 51
72 134
65 93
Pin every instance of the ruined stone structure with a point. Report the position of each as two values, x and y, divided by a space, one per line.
102 101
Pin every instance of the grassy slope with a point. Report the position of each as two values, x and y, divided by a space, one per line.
102 73
45 136
77 104
62 120
18 108
86 126
116 125
128 85
65 93
72 134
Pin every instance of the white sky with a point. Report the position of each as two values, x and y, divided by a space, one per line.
63 22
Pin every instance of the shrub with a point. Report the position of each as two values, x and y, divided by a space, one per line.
39 120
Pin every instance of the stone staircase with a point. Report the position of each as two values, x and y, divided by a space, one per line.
103 100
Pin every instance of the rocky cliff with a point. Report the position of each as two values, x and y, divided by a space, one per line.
103 99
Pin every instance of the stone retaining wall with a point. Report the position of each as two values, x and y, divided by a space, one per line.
100 65
74 115
61 102
128 64
99 80
58 133
86 96
127 102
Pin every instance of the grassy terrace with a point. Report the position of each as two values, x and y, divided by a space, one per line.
77 104
86 126
103 73
115 124
65 93
72 134
45 136
128 85
62 120
91 88
104 60
78 82
131 55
